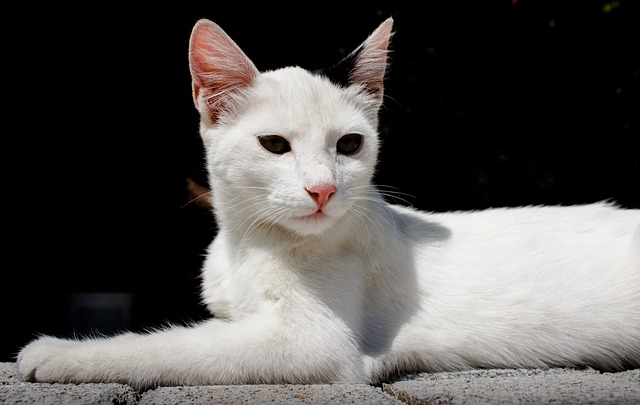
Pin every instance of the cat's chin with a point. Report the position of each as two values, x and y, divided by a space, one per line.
313 224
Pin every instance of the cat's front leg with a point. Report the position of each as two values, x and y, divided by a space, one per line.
258 349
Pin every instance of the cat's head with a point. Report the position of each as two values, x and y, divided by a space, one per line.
288 147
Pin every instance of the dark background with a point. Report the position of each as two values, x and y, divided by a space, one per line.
487 104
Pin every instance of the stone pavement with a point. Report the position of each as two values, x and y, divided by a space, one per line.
556 386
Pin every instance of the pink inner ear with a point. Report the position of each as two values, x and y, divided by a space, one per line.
371 64
218 66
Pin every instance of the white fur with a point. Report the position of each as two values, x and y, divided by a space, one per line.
367 289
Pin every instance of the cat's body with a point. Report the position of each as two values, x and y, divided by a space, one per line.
313 277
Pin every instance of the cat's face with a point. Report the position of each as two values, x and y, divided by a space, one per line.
287 148
297 151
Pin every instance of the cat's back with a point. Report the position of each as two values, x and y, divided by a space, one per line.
533 241
598 222
561 217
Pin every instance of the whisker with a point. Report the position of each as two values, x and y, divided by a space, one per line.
372 212
363 217
194 199
387 191
394 194
254 218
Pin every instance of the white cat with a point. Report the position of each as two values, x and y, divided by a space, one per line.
314 278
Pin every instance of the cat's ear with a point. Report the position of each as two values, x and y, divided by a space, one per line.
367 64
218 68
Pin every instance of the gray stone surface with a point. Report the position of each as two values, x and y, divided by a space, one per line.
15 391
271 394
555 386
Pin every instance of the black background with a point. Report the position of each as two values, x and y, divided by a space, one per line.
487 104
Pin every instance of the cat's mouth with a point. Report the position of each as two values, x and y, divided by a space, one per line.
315 216
312 224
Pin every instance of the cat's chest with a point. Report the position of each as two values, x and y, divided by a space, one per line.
287 282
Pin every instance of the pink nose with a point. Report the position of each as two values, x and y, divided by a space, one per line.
321 193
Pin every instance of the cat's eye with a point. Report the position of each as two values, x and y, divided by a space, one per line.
275 144
349 144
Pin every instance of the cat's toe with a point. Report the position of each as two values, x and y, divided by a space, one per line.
25 370
35 358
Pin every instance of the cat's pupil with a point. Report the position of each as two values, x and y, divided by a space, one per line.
349 144
275 144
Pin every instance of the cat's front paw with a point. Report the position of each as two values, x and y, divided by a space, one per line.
47 359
